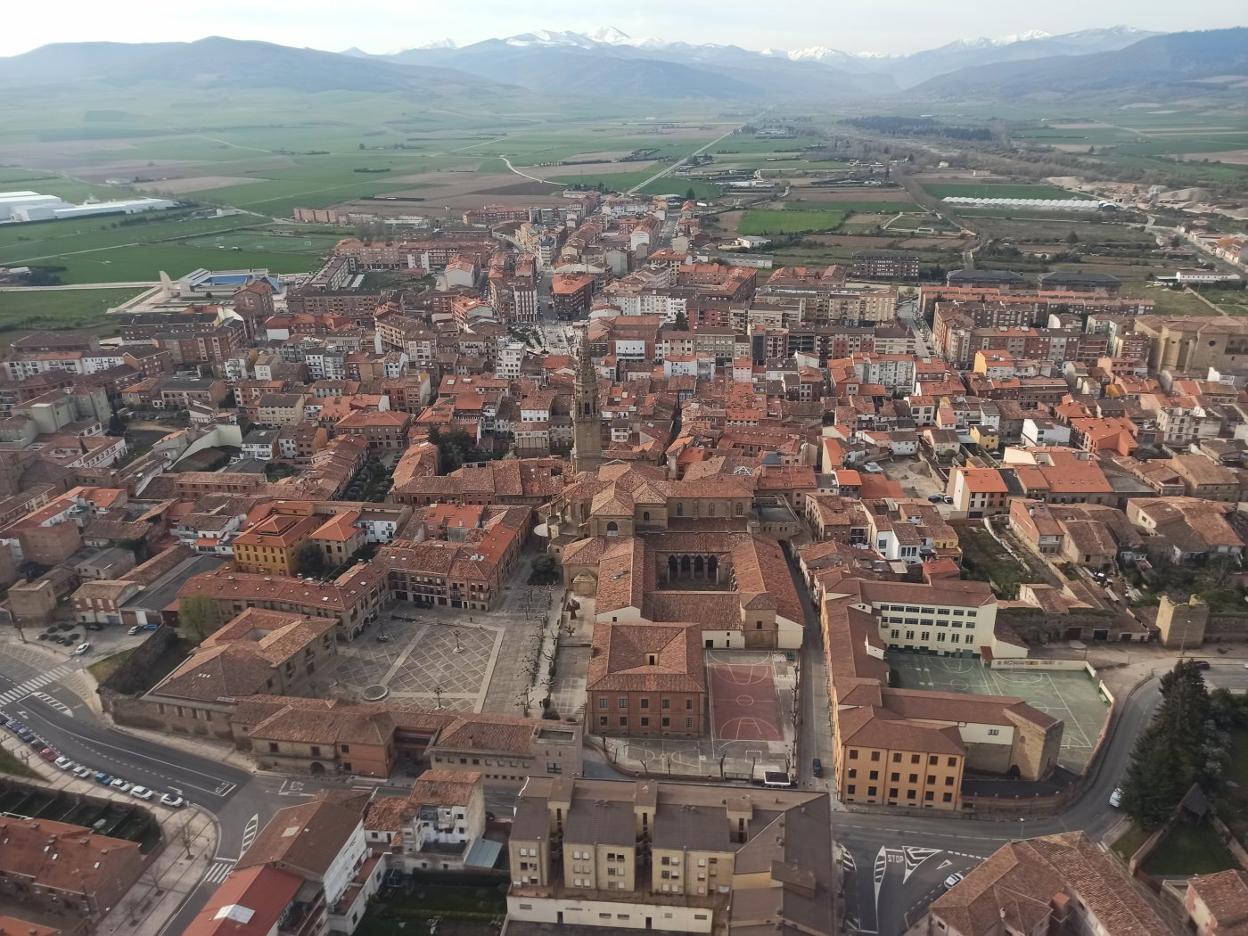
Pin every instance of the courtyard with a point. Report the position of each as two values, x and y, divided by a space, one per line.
1071 696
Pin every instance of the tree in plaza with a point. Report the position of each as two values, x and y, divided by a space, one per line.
1178 748
309 560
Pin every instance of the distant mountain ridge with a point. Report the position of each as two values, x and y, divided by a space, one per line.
220 62
1163 66
1103 64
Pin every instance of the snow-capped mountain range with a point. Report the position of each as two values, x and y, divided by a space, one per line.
609 58
895 70
1115 36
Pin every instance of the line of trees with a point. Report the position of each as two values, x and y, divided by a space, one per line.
1187 742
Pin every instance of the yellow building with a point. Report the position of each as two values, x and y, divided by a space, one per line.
270 545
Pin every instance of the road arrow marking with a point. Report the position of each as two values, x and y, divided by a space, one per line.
944 864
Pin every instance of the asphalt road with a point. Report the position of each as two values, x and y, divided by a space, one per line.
239 801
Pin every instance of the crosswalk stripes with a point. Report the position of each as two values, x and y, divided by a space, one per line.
35 682
219 870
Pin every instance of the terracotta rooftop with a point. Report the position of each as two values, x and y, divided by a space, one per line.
645 657
1018 883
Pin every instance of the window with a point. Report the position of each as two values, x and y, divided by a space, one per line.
896 757
688 705
273 747
874 775
666 703
892 792
602 703
850 789
622 702
953 762
645 703
875 755
914 758
853 753
948 781
645 722
871 791
932 760
947 798
688 722
602 721
623 721
914 778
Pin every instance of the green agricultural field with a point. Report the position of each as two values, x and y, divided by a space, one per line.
69 308
49 240
859 207
623 181
995 190
145 262
764 222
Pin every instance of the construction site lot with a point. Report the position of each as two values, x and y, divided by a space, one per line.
1070 696
750 697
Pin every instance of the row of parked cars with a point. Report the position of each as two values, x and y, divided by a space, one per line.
59 760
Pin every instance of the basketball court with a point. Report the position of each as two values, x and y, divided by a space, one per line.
1070 696
743 700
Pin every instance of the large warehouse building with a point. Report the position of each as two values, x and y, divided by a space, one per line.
19 207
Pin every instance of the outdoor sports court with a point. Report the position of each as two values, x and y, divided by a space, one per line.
1071 696
743 700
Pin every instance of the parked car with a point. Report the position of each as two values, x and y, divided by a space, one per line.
1115 798
142 792
49 754
872 468
82 648
1201 664
953 880
64 763
173 802
103 779
948 498
816 767
121 786
936 498
82 773
134 630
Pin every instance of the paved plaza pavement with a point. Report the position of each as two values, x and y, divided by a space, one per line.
424 659
469 661
1071 696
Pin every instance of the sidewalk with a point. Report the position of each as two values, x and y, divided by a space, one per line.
190 847
188 850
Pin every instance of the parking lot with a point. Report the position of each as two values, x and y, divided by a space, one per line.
914 476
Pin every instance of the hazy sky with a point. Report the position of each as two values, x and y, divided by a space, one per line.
389 25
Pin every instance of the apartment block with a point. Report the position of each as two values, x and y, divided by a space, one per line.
653 856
